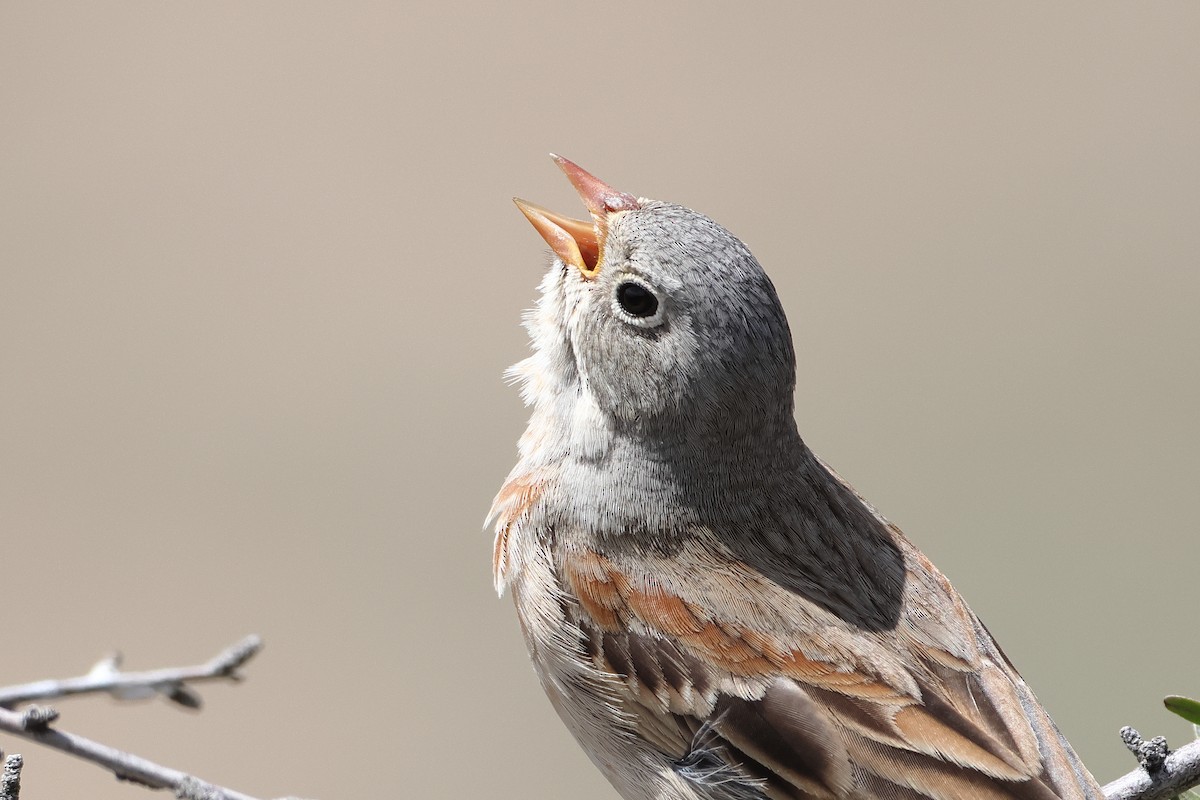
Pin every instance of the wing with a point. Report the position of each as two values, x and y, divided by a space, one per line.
746 683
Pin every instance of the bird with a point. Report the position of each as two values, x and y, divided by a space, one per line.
713 612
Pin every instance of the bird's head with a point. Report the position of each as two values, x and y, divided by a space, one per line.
654 321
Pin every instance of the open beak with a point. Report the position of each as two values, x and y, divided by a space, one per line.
575 241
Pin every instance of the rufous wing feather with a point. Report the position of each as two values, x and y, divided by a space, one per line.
798 717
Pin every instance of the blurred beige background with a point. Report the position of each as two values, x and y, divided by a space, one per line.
259 277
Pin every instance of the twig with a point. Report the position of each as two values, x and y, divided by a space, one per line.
10 782
106 677
125 766
1179 772
34 723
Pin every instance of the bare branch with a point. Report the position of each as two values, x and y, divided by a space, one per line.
10 782
1179 772
107 677
125 766
34 723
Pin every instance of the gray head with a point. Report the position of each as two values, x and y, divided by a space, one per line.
662 382
657 323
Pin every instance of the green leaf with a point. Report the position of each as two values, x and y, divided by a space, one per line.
1185 707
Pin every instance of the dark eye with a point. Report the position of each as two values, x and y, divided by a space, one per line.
636 300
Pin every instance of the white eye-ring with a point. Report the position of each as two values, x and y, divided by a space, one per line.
637 303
